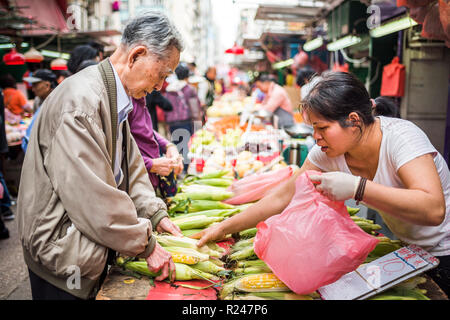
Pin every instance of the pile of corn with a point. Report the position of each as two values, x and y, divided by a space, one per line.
191 262
198 205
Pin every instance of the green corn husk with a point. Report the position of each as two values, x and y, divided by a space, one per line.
228 287
189 251
246 253
183 271
214 175
360 219
202 192
397 293
209 213
352 211
208 266
241 244
210 248
217 262
217 182
368 227
190 232
198 205
251 263
411 283
249 233
252 270
382 248
196 222
268 296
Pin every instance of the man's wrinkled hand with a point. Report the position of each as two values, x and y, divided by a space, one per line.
161 260
166 225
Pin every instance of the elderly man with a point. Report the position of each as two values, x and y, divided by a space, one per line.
85 193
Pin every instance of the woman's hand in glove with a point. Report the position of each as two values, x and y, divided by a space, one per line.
337 186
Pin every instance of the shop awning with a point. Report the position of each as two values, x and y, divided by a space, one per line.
300 13
47 16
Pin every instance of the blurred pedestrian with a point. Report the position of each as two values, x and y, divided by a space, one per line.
160 156
186 109
276 100
5 199
207 89
80 54
61 75
42 83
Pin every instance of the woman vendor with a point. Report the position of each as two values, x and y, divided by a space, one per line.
276 100
387 163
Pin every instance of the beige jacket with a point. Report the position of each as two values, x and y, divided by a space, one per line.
70 210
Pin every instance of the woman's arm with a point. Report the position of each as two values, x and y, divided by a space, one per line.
272 204
421 203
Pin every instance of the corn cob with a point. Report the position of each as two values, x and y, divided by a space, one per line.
263 282
352 211
398 293
251 263
246 253
185 258
249 233
187 252
217 182
199 205
208 266
213 175
368 227
268 296
209 213
252 270
241 244
411 283
196 222
217 262
201 192
190 232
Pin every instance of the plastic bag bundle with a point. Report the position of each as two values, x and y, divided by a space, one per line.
313 242
256 186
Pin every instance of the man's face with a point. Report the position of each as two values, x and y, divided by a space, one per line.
41 89
147 72
211 74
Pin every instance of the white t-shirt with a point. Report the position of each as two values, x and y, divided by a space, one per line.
402 142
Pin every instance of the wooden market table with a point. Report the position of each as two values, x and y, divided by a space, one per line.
118 286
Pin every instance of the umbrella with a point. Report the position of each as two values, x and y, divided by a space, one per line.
235 49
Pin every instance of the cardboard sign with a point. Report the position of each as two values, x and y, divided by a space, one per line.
372 278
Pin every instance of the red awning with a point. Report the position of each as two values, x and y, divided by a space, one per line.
47 14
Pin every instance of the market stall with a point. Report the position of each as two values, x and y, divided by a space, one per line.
235 161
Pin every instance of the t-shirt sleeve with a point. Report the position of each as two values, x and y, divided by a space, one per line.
408 143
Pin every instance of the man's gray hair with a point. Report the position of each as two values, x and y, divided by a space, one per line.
154 30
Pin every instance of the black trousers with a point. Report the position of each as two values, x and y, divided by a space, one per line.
441 274
43 290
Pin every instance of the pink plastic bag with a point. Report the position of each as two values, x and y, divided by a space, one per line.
313 242
256 186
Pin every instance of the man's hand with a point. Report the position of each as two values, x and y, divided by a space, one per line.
172 153
337 186
166 225
215 232
163 166
160 259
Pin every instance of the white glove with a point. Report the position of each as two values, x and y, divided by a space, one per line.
338 186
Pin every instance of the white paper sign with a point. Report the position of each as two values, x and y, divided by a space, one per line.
379 275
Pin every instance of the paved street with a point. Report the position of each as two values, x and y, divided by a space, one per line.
14 283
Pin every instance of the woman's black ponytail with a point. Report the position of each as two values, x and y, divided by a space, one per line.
385 106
